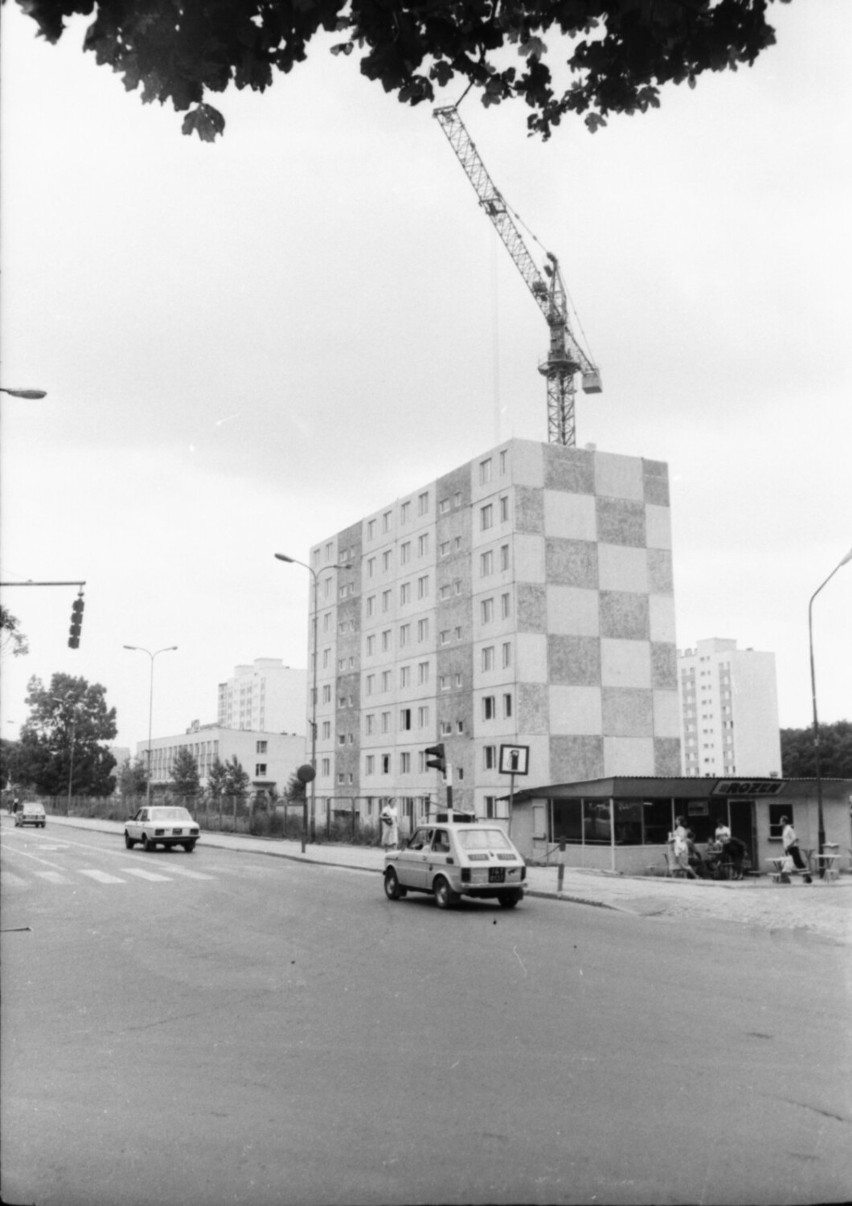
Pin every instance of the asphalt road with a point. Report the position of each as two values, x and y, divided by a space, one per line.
228 1028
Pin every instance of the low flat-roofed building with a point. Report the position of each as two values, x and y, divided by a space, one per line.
622 823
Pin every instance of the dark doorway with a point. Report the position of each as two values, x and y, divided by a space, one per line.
741 813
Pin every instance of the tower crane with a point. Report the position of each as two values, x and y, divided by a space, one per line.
565 358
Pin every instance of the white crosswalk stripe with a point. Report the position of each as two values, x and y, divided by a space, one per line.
151 876
103 877
190 874
53 877
10 880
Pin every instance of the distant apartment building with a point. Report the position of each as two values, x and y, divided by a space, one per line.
266 696
523 599
729 710
269 759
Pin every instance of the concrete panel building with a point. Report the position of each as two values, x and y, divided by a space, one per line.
266 696
525 598
729 710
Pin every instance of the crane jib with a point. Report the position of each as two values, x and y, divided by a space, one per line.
565 357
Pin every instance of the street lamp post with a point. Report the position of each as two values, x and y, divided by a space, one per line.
139 649
820 816
313 717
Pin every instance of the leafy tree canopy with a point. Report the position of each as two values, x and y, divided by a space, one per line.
132 778
63 738
185 780
618 53
798 757
12 640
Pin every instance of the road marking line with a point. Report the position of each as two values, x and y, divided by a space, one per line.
53 877
10 880
149 875
102 877
190 874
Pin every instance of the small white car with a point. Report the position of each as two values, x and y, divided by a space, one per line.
454 858
31 814
161 825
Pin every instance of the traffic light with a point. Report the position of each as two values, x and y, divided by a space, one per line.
435 757
76 622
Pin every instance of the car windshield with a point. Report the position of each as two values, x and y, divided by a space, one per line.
483 839
170 814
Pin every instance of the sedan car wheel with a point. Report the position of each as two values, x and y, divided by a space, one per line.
444 895
509 899
148 843
393 888
189 847
128 840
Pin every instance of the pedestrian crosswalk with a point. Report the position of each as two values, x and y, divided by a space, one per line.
22 879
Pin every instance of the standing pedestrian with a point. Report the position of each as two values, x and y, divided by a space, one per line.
791 848
390 826
680 847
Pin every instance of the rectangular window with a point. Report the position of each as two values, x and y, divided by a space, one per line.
446 727
326 693
260 748
488 658
504 556
326 730
386 640
386 722
259 770
444 506
371 567
387 557
444 548
386 600
486 610
404 634
489 757
405 593
489 709
405 719
422 673
385 764
444 637
507 654
386 677
486 564
386 521
371 723
505 606
422 630
423 717
371 529
423 545
405 553
486 517
445 591
370 684
423 503
371 605
405 763
405 676
485 471
371 645
507 704
405 512
423 587
504 508
370 764
326 766
504 461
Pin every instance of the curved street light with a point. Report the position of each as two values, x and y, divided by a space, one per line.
139 649
24 393
820 817
313 718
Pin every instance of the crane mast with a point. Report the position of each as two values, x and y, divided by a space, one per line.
565 358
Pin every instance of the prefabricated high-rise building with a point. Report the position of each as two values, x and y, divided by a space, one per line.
524 599
729 710
266 696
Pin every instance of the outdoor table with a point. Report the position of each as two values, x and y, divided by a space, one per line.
826 866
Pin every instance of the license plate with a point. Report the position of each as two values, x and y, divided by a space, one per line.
496 875
177 832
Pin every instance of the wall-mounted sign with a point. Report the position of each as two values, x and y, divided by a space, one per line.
514 759
749 787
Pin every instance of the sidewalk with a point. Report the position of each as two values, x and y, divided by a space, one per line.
819 908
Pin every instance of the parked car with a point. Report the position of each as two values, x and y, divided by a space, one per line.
162 825
456 858
30 814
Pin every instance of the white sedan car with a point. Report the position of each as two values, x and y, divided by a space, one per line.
161 825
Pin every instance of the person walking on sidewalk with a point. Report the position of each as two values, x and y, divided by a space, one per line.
390 826
791 848
680 847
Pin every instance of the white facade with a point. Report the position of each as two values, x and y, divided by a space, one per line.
524 598
729 710
269 759
266 697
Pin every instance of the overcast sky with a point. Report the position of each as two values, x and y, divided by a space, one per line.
248 346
